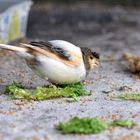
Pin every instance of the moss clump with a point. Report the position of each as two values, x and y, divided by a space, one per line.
17 91
123 123
130 96
90 125
133 62
83 126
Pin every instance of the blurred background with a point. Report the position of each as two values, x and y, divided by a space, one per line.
70 20
92 23
108 2
103 25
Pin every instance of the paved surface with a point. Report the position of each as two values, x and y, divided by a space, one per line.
109 31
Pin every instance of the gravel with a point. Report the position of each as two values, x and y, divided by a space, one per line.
109 31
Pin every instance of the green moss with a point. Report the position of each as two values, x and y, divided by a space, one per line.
17 91
130 96
90 125
123 123
83 126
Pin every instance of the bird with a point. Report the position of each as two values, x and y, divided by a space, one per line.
58 61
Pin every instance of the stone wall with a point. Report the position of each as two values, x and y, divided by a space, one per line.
110 2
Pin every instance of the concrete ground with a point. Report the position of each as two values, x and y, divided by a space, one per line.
109 31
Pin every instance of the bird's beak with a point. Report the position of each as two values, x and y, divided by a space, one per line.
97 64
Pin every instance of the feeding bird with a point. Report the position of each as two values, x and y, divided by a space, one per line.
59 61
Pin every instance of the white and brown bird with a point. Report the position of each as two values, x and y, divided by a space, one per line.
58 61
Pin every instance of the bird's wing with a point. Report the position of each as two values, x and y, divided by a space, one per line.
47 46
54 52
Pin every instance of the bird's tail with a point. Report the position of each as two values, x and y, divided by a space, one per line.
21 51
12 48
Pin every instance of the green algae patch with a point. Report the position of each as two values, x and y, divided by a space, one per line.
17 91
130 96
83 126
91 125
123 123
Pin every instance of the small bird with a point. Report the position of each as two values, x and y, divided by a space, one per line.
59 61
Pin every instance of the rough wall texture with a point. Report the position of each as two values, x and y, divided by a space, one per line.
110 2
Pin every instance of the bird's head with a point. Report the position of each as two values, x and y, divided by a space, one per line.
91 59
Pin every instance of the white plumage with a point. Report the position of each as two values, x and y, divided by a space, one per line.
57 72
50 68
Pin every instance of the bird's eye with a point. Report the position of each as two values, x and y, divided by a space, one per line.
91 57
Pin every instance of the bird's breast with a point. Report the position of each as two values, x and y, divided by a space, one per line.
57 71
